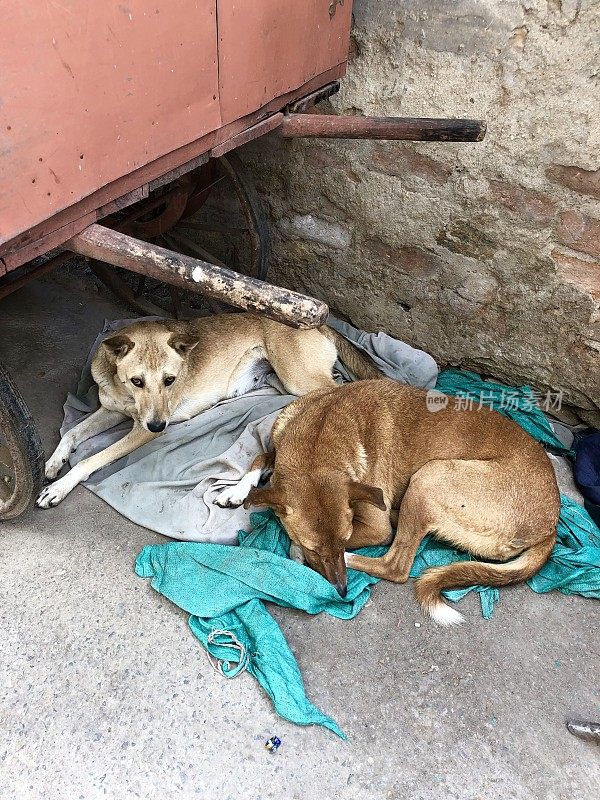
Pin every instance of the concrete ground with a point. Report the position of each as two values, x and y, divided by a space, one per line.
104 692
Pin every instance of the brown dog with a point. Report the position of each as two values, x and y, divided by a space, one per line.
346 458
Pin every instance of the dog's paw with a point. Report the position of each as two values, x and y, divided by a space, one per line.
297 553
52 495
54 465
231 497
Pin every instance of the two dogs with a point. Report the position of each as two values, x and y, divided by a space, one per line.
348 462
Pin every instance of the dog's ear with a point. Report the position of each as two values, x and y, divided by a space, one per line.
119 345
363 493
274 498
183 343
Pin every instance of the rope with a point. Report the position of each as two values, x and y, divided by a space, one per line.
221 665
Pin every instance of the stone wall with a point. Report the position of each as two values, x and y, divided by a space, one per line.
486 255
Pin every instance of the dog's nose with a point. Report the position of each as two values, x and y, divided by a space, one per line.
342 589
156 426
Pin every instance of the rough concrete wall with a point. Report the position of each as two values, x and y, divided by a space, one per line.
486 255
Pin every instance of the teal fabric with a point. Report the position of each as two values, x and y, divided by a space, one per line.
574 565
517 403
224 587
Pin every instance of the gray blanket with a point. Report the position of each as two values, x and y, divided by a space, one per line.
169 484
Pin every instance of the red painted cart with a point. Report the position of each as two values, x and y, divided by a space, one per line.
128 113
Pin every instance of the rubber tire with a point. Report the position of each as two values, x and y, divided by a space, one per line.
24 445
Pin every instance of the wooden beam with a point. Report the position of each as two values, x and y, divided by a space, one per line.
266 126
406 128
283 305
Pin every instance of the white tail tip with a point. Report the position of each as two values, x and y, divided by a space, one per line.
444 615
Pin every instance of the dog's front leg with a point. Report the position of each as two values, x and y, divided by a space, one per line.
234 496
57 491
98 422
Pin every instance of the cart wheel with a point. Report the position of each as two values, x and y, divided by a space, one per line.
214 214
21 454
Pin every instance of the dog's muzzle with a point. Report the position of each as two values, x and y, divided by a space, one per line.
156 426
334 571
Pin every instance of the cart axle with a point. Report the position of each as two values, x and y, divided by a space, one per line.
220 283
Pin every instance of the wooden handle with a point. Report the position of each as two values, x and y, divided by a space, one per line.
406 128
283 305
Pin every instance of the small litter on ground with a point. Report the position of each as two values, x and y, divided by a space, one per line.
273 744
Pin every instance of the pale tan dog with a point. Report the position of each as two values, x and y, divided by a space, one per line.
169 371
351 459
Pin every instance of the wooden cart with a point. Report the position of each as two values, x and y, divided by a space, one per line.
127 114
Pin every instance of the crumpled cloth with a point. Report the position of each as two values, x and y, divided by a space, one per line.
224 587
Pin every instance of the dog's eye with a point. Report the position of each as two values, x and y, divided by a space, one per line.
169 380
137 382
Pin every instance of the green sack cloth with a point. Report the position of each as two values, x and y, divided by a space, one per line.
574 565
223 588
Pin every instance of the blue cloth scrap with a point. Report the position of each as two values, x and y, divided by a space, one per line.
224 588
574 564
587 467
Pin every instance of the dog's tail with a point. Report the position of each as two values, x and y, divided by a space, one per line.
358 363
462 574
